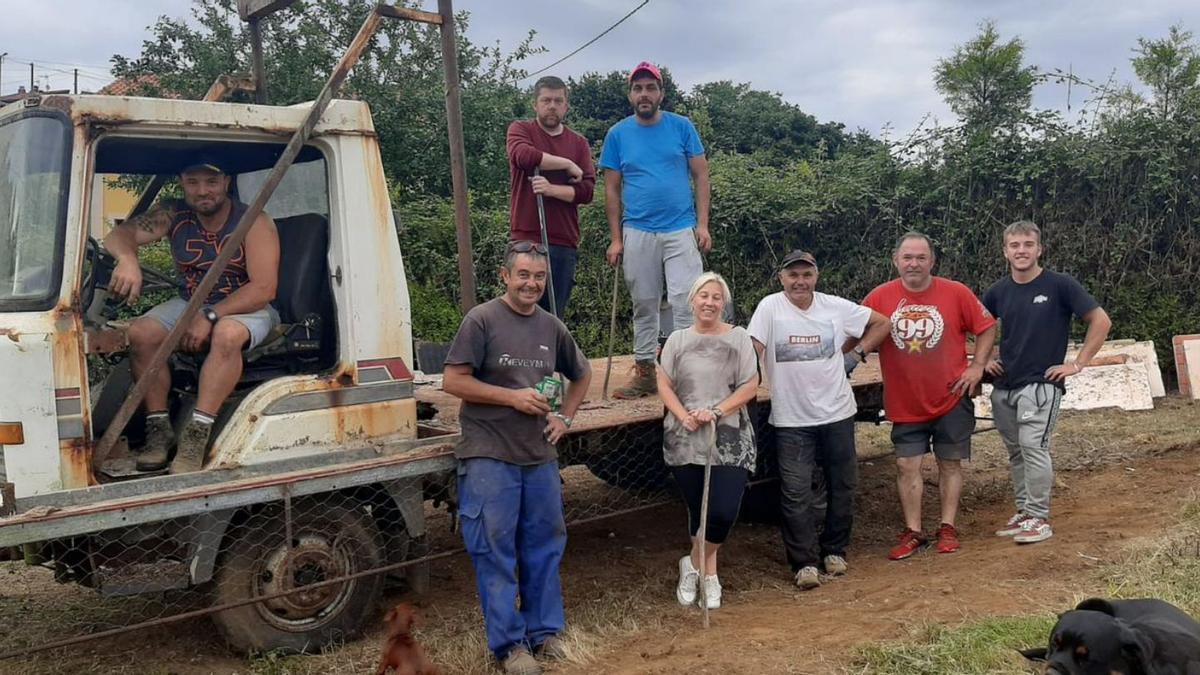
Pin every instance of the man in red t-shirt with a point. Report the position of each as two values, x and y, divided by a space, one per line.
568 178
927 382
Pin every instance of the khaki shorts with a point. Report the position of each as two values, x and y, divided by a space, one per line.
258 323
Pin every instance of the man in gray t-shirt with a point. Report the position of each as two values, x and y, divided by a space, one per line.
509 491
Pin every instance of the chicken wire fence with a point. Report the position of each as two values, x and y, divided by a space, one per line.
298 572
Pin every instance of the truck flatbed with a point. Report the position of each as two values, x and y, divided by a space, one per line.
597 414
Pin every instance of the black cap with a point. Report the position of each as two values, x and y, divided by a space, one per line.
797 256
203 162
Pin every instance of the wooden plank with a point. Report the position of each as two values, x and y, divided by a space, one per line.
394 12
256 9
596 413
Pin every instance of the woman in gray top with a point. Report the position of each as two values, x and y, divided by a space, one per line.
706 376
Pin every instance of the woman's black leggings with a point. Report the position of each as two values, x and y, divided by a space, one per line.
726 485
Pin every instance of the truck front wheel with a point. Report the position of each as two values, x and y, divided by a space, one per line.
328 542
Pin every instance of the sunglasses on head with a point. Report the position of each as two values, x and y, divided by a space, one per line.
526 247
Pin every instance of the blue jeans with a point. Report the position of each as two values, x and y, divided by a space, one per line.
562 275
513 528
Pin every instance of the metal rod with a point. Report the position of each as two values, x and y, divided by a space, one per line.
234 243
612 327
229 605
546 245
458 156
256 56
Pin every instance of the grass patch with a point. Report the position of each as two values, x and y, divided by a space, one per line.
1168 570
987 646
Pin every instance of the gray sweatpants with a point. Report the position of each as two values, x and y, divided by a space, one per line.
1025 418
649 258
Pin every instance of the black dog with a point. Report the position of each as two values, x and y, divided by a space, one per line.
1130 637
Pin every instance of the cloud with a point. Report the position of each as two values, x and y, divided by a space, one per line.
866 64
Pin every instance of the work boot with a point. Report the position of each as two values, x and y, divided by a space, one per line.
520 662
645 382
159 437
189 456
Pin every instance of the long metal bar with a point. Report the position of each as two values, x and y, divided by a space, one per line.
458 156
256 57
196 613
345 460
262 598
234 243
25 528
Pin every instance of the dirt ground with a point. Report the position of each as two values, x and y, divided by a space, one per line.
1123 478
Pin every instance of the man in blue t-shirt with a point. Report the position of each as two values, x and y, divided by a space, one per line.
658 225
1035 307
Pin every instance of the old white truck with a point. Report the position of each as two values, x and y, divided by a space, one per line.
324 421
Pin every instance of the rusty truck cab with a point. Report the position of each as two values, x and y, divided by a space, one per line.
335 374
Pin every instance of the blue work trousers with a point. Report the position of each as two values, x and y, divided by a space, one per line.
513 527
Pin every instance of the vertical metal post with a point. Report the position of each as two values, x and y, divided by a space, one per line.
76 80
458 156
31 79
260 72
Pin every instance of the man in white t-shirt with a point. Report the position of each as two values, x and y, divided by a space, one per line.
807 342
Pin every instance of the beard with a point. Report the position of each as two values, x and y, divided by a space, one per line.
644 114
212 208
549 121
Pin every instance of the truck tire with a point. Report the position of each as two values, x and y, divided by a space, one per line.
631 458
328 541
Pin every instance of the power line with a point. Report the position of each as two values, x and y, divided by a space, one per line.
589 42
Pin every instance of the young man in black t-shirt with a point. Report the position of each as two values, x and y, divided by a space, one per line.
509 491
1034 307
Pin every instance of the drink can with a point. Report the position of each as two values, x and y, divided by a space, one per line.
551 388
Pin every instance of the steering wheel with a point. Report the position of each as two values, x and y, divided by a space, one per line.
100 272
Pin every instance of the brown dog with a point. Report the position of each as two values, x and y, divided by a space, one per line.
401 653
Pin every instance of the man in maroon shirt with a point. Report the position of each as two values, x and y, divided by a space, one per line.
568 177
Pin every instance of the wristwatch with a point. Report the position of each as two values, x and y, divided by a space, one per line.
860 354
210 314
717 412
565 419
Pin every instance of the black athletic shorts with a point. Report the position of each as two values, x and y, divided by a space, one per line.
948 436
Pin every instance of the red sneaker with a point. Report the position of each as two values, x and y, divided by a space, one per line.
947 539
909 543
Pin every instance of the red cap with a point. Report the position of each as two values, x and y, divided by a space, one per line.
645 67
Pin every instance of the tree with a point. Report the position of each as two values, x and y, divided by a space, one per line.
985 82
399 76
745 120
1169 66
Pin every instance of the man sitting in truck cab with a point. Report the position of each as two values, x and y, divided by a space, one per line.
236 315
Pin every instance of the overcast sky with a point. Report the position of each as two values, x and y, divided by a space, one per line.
866 63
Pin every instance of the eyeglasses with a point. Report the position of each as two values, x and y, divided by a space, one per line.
525 247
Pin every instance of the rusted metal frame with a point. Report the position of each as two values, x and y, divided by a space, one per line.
404 454
234 242
166 620
287 530
8 494
256 59
458 156
118 514
216 91
394 12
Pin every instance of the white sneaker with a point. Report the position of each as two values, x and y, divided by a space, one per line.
689 582
712 591
835 565
1032 531
808 578
1013 526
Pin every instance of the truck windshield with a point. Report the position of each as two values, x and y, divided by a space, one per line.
33 187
